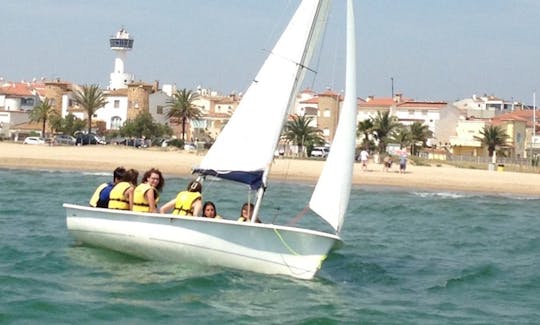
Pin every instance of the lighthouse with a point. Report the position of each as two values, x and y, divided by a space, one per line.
121 43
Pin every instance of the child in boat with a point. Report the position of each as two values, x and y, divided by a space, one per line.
186 203
247 213
209 210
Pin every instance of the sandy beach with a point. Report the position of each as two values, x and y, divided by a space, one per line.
174 162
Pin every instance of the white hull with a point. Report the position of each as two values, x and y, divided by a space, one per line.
262 248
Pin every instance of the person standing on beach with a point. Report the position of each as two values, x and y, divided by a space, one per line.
146 194
186 203
364 156
402 162
100 199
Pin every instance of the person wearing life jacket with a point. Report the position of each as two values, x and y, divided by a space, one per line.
247 213
100 198
146 194
186 203
121 197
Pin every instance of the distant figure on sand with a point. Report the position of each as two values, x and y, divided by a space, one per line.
402 162
364 156
100 199
387 163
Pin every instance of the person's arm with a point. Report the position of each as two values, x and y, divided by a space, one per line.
167 206
151 200
197 208
129 196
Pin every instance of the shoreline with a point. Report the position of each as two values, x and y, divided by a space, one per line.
174 162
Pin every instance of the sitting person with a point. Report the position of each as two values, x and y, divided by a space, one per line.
146 194
186 203
247 213
121 197
100 199
209 210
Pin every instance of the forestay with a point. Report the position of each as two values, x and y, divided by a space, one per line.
244 149
331 196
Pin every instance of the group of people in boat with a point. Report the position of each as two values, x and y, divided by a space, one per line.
124 193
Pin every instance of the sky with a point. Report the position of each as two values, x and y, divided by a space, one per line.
433 50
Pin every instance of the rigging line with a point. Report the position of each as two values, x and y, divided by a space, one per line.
319 51
292 251
303 66
299 216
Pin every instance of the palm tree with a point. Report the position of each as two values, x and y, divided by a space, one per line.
181 108
492 136
401 135
299 132
419 133
365 128
42 113
90 98
383 125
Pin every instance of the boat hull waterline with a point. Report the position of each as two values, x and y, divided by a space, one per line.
262 248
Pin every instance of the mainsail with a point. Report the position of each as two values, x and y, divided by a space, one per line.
331 196
244 149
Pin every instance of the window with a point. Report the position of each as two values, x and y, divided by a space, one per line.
27 101
159 110
411 112
116 103
326 113
116 122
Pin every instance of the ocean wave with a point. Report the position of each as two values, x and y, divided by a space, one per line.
446 195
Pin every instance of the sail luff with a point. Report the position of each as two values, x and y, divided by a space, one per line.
244 149
330 198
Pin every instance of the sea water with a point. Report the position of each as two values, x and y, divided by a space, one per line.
410 257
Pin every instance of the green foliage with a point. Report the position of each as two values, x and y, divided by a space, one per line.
492 137
90 98
365 128
402 136
144 125
383 125
181 108
179 143
42 113
299 132
420 133
67 125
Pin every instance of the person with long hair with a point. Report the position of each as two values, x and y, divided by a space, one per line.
146 194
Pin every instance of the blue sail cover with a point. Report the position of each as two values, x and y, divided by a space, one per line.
253 179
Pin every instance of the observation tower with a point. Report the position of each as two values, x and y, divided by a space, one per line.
121 43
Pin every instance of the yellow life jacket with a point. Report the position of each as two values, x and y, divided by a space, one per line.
117 199
95 198
184 203
140 203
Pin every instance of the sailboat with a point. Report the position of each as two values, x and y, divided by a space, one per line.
258 247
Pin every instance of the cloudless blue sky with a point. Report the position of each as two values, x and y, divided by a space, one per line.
434 49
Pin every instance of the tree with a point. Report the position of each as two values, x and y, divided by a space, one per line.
181 108
144 125
90 98
299 132
419 133
492 137
365 128
66 125
402 136
383 125
42 113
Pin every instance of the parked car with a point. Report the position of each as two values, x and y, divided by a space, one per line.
88 138
64 139
320 152
190 146
34 140
134 142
